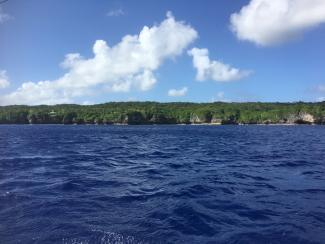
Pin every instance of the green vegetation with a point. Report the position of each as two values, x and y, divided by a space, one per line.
166 113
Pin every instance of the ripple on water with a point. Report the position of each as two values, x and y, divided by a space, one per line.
162 184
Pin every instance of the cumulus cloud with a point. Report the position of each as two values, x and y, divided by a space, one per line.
4 81
115 13
266 22
130 64
214 70
4 16
177 93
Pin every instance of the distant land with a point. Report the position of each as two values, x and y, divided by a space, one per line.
138 113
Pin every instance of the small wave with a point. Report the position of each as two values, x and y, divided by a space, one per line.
162 184
104 237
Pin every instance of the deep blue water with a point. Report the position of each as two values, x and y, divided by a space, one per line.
162 184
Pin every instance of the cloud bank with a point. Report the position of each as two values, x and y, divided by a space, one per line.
178 93
270 22
214 70
129 65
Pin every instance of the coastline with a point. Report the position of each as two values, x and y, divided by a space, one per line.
153 113
168 124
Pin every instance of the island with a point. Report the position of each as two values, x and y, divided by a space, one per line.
149 113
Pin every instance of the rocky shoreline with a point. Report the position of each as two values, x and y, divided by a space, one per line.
300 119
151 113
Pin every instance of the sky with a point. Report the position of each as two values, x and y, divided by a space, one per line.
87 52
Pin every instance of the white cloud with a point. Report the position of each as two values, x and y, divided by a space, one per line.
320 99
269 22
4 81
220 97
128 65
214 70
115 13
4 16
177 93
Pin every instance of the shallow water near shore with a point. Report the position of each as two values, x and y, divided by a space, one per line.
162 184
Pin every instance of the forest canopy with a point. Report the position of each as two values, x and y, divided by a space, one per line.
166 113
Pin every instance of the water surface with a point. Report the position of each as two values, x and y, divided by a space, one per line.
162 184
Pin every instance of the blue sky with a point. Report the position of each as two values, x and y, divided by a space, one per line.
243 58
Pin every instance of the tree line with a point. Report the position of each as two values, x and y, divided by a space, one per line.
166 113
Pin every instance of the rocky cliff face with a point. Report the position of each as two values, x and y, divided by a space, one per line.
161 119
216 121
194 119
305 117
320 120
137 118
301 118
158 119
134 118
201 118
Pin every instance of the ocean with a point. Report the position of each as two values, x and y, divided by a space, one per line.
162 184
